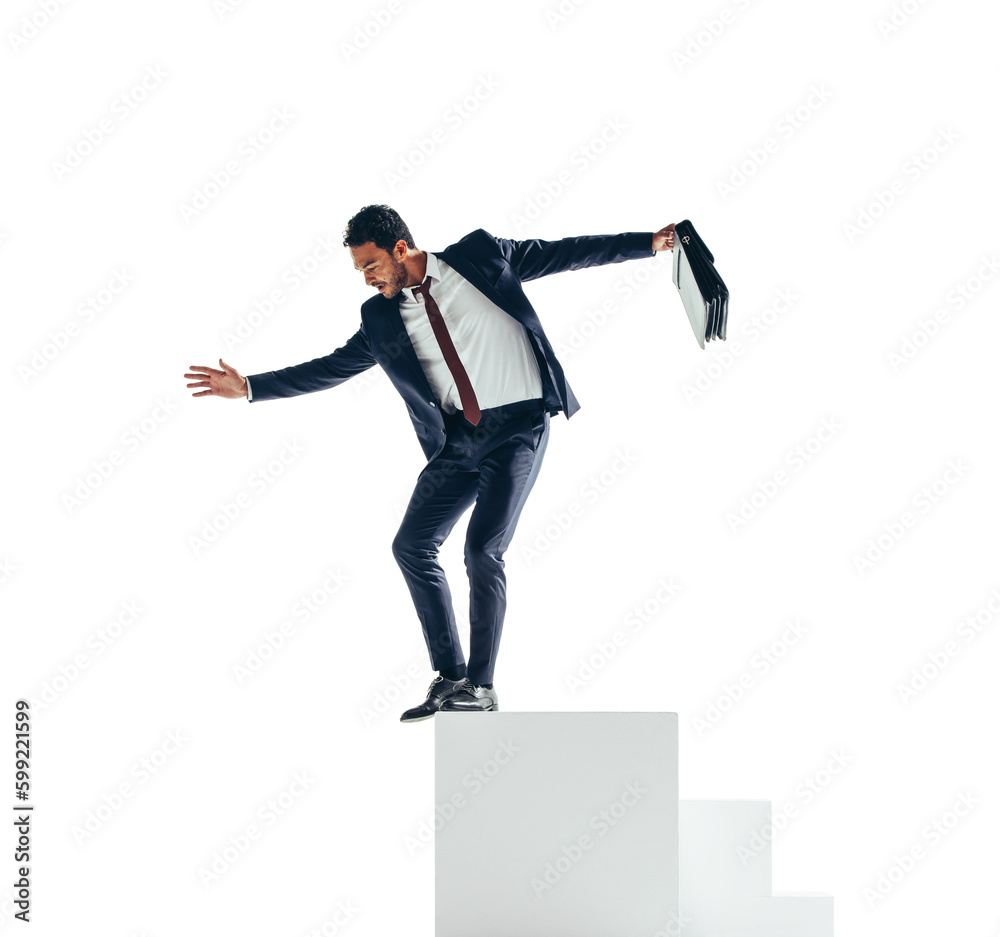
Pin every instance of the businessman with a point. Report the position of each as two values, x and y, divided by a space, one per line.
459 340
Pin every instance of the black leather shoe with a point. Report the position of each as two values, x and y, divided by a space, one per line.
437 692
470 698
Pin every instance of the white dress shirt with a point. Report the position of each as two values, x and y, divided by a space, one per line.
493 346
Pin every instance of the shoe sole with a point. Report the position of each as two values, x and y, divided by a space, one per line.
418 718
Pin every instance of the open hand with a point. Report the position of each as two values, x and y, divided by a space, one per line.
225 383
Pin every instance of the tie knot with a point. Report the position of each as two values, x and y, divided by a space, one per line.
423 288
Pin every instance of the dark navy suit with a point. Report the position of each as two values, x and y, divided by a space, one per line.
493 464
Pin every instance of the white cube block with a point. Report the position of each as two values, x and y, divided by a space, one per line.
724 848
556 824
783 915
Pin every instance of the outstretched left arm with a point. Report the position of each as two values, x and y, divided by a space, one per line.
535 258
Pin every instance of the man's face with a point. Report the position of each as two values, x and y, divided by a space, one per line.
382 270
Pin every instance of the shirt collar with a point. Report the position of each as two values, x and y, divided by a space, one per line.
433 271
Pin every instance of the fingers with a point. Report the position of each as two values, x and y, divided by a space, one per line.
201 393
216 383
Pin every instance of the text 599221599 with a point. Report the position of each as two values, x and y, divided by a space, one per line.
22 809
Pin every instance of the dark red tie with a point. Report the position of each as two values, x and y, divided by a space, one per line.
470 406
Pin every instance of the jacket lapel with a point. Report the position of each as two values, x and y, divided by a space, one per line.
472 273
392 346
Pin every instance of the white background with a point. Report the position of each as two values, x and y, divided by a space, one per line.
895 136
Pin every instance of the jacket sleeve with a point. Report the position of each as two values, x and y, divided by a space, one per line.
353 357
533 258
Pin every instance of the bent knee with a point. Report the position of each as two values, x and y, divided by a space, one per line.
409 548
483 554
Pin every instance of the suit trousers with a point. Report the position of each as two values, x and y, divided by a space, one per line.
492 465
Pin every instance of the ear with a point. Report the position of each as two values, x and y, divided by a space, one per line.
399 249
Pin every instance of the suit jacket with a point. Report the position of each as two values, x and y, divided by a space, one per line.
496 267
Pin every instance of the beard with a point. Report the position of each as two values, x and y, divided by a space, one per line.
396 279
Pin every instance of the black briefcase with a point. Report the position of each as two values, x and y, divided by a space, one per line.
704 295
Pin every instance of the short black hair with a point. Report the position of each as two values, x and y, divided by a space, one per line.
380 224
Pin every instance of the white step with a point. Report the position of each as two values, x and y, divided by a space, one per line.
521 845
724 848
804 914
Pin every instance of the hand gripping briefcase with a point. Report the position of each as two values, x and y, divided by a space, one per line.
705 297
